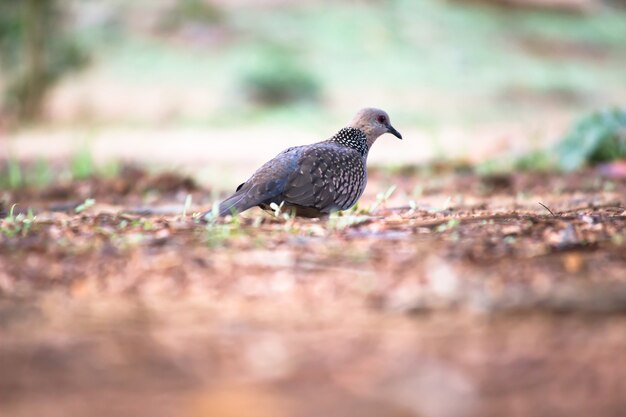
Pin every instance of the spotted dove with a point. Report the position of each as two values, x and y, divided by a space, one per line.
318 179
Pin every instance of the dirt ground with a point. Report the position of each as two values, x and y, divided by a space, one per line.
459 295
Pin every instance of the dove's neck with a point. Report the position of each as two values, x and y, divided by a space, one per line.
353 138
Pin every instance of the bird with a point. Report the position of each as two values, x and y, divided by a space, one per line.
318 179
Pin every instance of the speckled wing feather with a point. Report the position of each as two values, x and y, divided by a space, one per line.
315 179
329 177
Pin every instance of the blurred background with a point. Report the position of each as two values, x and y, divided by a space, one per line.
213 86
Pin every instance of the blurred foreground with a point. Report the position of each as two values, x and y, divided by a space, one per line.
475 302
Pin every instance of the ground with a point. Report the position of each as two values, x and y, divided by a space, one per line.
454 295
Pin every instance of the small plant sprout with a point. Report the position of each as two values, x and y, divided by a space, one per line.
84 205
388 193
278 211
187 205
218 233
257 222
449 225
277 208
337 221
381 198
354 209
235 222
10 216
19 224
147 225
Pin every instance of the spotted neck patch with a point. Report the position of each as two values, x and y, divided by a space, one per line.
352 138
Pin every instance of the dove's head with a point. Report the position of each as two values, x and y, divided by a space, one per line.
373 122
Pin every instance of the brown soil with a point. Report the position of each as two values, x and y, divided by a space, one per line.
476 301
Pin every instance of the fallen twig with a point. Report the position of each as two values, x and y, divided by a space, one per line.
547 208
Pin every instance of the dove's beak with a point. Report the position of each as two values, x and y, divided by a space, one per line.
394 132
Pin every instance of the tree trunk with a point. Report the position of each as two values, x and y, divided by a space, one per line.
34 57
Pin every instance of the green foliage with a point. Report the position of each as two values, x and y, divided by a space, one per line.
42 174
15 177
277 78
82 164
10 30
84 205
598 137
216 233
190 11
399 50
15 174
110 169
17 225
535 161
